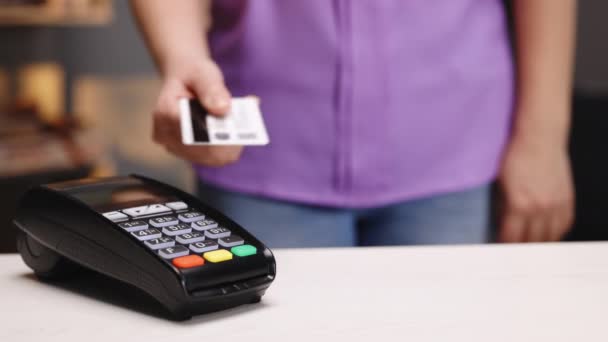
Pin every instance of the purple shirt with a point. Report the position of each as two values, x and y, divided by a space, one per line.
366 102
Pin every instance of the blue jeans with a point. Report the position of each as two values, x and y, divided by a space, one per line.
453 218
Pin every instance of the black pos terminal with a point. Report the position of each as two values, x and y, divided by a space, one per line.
185 254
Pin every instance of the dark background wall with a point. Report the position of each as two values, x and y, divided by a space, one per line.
590 123
115 49
592 52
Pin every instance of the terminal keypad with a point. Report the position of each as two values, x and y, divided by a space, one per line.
180 235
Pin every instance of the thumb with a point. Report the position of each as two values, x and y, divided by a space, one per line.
213 95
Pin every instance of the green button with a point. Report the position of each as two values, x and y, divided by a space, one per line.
243 250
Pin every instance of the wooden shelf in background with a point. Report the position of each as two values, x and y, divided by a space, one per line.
45 15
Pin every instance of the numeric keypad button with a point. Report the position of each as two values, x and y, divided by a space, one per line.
146 210
231 241
115 216
216 233
177 205
147 234
204 225
177 229
163 221
190 238
191 216
173 252
133 226
204 246
161 242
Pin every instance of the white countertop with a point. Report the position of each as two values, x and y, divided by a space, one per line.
542 292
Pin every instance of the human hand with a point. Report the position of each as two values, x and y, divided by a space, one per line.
537 192
204 81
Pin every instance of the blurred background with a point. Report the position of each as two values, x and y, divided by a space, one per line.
77 87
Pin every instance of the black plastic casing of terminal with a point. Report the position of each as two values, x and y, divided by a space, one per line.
69 226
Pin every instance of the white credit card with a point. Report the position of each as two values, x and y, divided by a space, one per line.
243 125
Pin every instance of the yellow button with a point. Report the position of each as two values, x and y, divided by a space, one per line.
218 256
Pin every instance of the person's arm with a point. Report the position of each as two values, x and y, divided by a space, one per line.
176 35
536 180
174 30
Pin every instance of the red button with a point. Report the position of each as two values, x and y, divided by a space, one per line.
188 261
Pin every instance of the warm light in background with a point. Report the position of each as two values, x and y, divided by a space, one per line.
42 85
56 12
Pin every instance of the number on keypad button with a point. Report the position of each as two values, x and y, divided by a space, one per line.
133 226
173 252
204 246
190 238
231 241
204 224
177 229
191 216
216 233
147 234
163 221
161 242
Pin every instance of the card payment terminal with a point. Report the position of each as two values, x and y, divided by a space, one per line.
185 254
